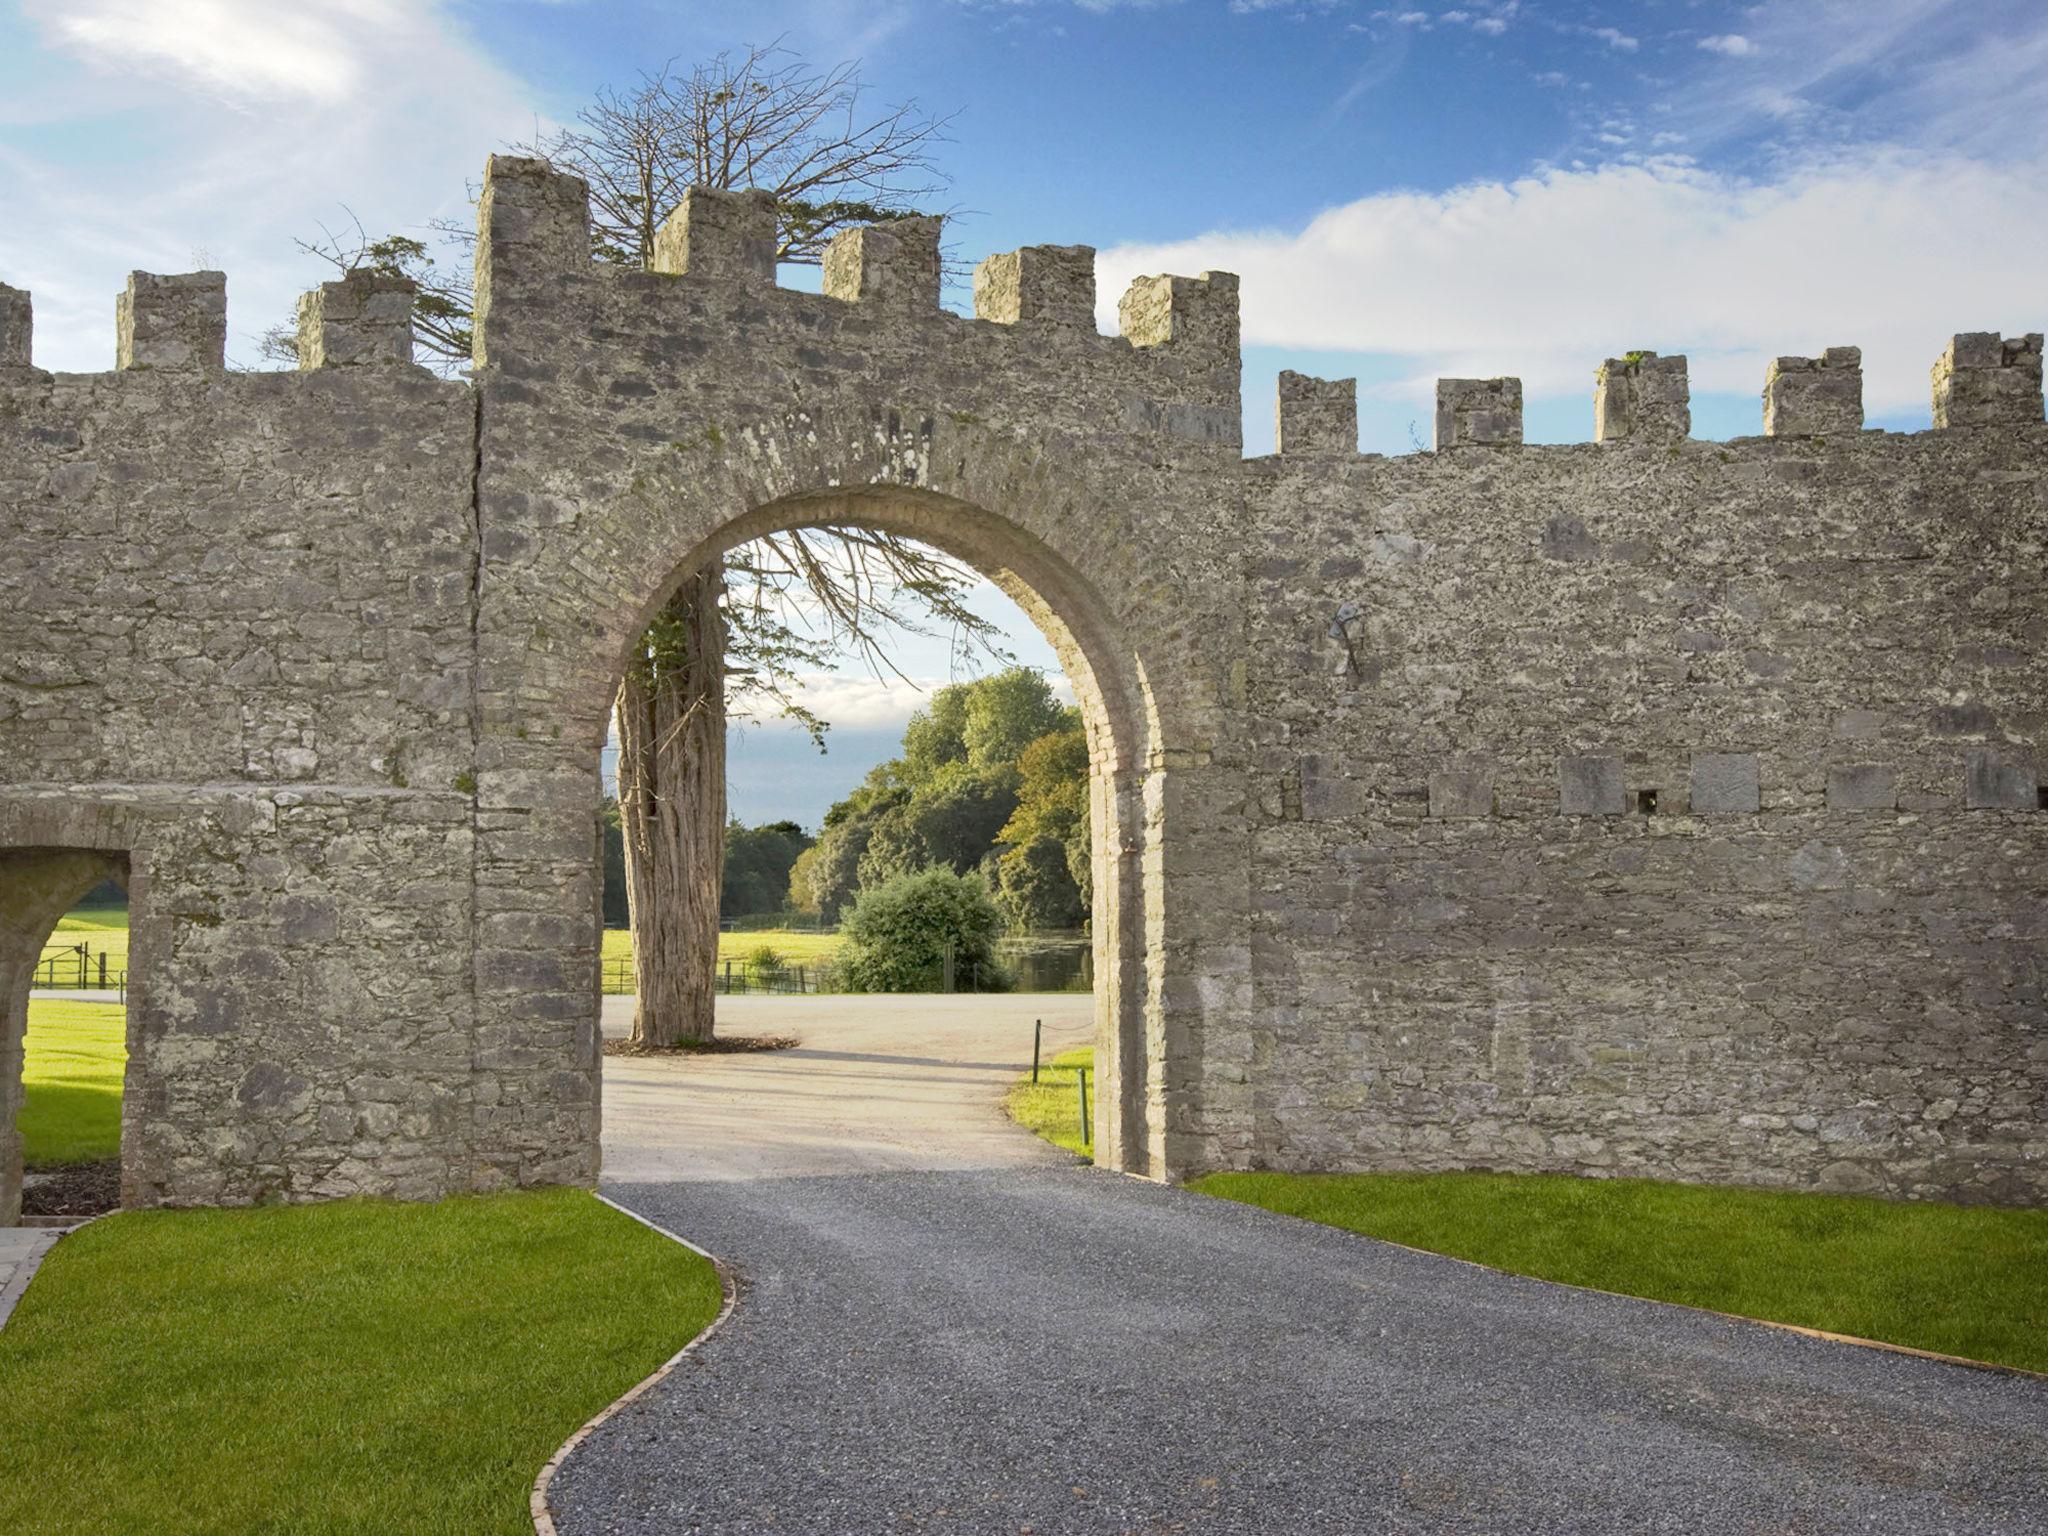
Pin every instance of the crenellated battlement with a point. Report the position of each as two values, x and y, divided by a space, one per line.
364 318
178 322
1985 380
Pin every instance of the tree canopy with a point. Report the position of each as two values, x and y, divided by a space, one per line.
993 778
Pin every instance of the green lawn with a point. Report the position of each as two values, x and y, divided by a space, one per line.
795 947
1051 1106
1961 1280
358 1366
72 1061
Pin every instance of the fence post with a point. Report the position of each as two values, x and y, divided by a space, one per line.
1037 1034
103 970
947 984
1087 1131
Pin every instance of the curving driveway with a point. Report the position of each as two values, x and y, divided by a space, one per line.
943 1326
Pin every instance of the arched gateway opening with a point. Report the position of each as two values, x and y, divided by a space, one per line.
38 885
1114 699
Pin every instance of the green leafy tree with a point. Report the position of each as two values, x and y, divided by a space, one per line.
1008 711
899 935
758 862
1035 888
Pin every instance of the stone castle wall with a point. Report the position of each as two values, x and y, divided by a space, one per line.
1645 806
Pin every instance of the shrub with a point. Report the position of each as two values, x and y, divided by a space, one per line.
764 960
898 934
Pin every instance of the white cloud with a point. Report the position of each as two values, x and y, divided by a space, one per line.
854 702
258 121
1615 38
1545 276
1733 44
253 50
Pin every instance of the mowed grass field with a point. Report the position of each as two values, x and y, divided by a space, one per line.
72 1061
795 946
355 1366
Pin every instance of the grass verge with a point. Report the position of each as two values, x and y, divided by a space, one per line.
357 1366
1960 1280
1051 1106
73 1058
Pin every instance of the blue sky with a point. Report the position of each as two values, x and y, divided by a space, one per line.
1448 187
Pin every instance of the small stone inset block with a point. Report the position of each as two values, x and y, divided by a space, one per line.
1985 380
1316 415
1461 791
895 264
724 237
1862 787
1052 285
17 326
175 322
1994 782
364 318
1642 398
1814 396
1591 786
1725 784
1478 413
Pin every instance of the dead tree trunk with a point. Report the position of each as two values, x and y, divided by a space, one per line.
671 711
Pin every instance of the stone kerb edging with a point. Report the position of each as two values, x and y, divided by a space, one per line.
543 1517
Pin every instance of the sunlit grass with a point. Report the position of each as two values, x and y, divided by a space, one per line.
1051 1107
73 1058
1960 1280
358 1366
796 947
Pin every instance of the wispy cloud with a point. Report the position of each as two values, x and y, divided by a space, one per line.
1731 44
241 124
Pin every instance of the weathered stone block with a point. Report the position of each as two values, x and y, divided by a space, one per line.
893 265
364 318
1725 783
17 326
1461 790
1316 415
720 237
1478 413
1985 380
1814 396
1050 285
1198 314
1642 398
1994 781
1862 787
176 322
1591 786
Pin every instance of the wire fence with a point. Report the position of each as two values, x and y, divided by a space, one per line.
80 968
1035 964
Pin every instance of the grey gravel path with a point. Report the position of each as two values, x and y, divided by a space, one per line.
1052 1349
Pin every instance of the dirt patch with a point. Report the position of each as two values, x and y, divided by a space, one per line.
730 1046
71 1189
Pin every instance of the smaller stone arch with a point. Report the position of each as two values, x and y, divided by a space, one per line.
38 885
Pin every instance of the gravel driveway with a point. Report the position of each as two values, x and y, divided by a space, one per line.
943 1327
